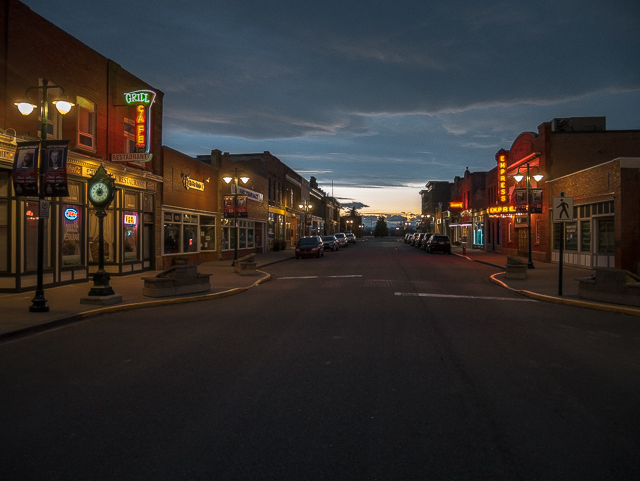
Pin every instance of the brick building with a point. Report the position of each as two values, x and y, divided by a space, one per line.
104 127
606 215
562 147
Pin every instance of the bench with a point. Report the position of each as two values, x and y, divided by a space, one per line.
246 266
176 281
612 285
516 268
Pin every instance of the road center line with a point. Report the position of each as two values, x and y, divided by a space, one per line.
451 296
319 277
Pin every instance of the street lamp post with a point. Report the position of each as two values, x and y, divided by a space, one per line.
228 179
306 207
527 176
39 302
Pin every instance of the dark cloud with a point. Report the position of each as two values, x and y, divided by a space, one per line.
370 94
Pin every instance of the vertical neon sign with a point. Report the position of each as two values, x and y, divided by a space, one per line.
501 157
143 100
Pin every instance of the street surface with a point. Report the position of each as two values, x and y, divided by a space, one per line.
375 362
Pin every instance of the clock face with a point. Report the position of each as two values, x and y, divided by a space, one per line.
99 192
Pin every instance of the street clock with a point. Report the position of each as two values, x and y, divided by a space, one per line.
102 189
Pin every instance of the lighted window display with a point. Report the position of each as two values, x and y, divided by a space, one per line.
71 242
4 220
131 236
32 211
109 237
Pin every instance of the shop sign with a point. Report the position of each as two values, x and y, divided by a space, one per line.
456 205
130 219
142 100
190 183
257 196
138 157
503 209
501 157
71 214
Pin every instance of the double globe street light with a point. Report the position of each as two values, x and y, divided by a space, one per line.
525 172
235 178
26 107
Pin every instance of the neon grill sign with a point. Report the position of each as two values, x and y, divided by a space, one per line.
142 100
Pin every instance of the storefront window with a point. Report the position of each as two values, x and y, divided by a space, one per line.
32 211
585 236
571 236
605 236
71 248
271 231
190 238
172 238
109 237
207 233
4 221
131 235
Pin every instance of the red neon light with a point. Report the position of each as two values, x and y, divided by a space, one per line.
141 127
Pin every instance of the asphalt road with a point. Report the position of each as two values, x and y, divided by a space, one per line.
375 362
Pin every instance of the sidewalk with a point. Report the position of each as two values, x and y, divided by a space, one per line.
64 301
542 282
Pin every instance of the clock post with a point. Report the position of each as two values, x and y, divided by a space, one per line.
101 193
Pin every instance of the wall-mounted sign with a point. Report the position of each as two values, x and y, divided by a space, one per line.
143 101
194 184
456 205
71 214
130 219
141 158
506 209
502 176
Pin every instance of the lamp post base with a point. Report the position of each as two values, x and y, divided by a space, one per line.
39 303
530 265
101 285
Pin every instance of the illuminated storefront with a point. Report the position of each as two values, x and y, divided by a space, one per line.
70 250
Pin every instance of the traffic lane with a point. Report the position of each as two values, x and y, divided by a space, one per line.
373 383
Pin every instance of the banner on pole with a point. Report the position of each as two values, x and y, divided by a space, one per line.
25 169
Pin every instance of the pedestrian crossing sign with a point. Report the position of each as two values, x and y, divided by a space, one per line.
562 209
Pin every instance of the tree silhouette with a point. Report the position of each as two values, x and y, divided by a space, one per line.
381 227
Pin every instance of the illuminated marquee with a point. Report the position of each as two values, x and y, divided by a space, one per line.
143 100
502 177
504 209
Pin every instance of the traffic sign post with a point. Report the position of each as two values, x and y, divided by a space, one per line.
562 212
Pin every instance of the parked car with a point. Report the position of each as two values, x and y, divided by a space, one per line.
407 238
311 246
330 242
423 242
439 243
342 239
417 239
351 239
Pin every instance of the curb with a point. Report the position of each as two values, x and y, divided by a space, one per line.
568 302
82 316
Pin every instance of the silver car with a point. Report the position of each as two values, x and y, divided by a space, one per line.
342 239
330 242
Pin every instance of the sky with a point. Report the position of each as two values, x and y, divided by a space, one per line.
373 98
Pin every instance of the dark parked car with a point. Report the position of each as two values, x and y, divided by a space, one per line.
418 239
351 239
309 247
330 242
342 239
439 243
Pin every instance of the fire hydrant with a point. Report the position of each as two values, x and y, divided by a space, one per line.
464 250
